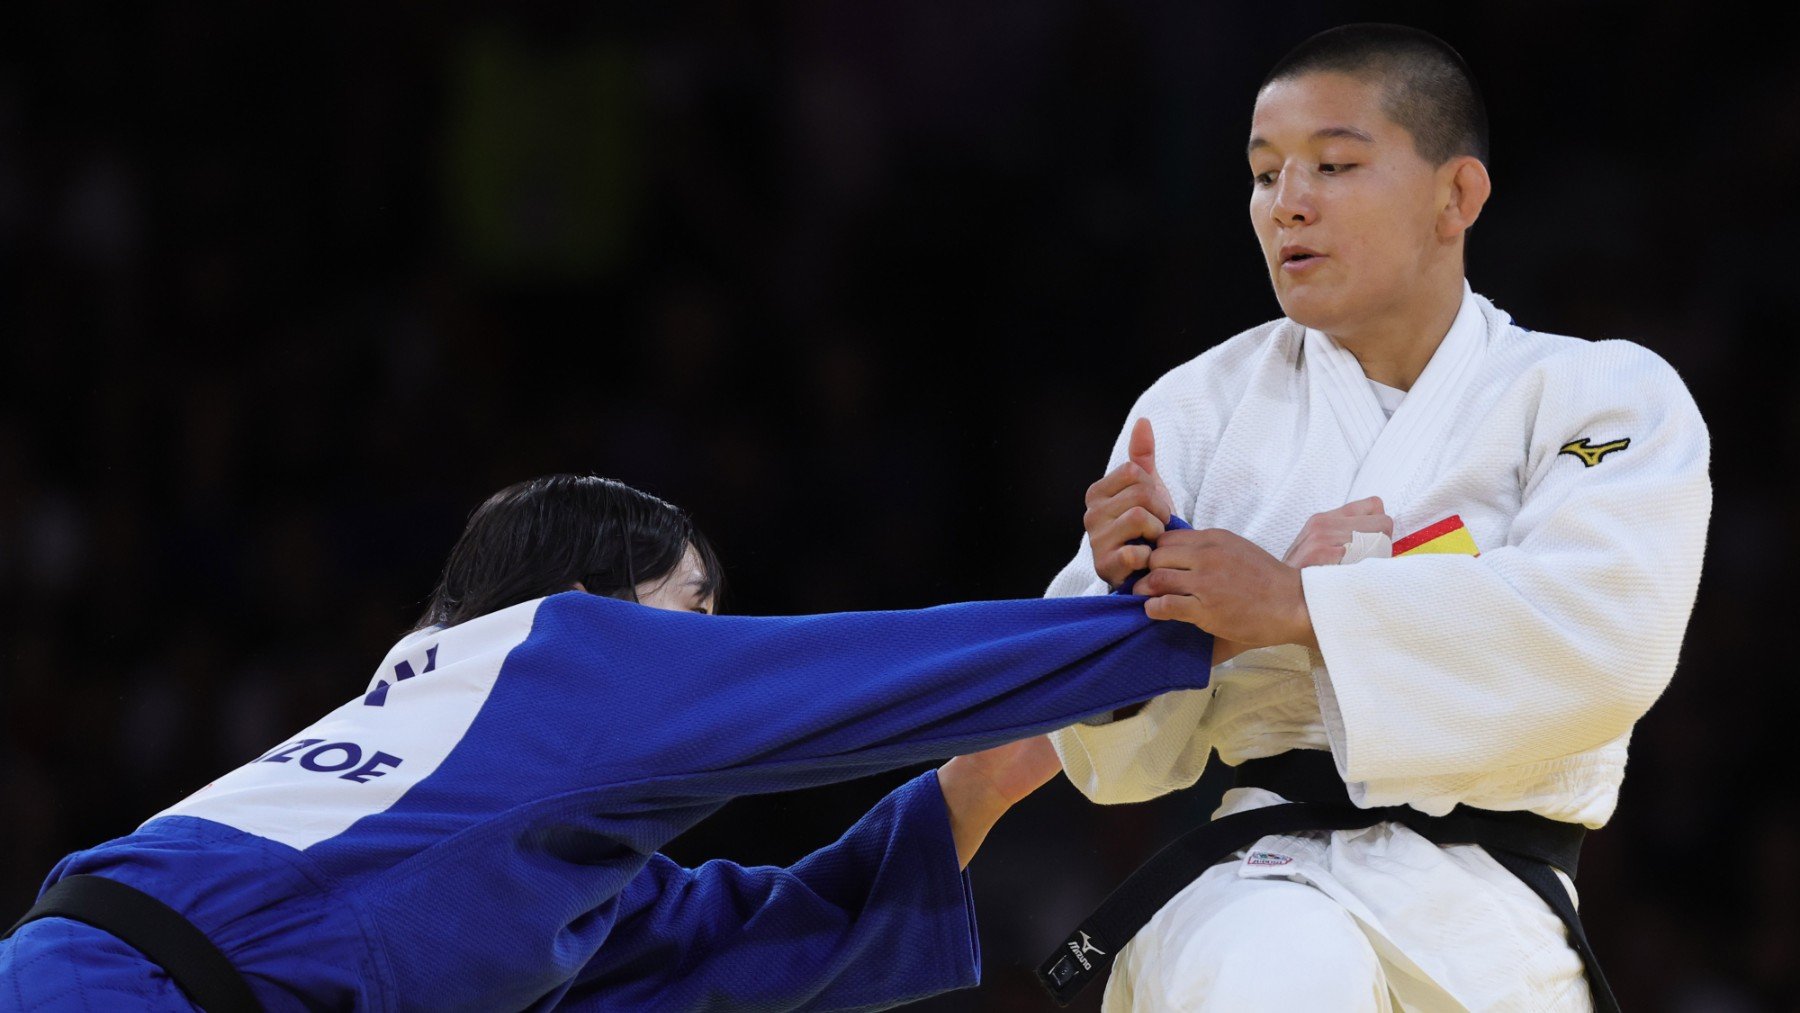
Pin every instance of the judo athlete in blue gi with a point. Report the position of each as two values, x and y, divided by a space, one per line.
479 829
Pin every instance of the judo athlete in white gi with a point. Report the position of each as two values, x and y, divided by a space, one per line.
478 830
1502 598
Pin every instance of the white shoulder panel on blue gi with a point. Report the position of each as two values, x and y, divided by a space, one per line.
361 758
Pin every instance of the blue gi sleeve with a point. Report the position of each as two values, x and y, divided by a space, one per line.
681 704
881 917
610 728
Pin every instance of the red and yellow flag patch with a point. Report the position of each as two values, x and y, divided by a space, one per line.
1447 536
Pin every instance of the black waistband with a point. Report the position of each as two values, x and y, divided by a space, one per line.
154 929
1310 775
1525 844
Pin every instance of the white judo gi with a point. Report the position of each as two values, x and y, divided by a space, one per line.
1507 680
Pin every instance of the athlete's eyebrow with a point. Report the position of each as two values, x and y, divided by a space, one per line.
1321 134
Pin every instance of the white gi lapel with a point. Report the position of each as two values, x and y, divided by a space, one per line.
1337 378
1429 408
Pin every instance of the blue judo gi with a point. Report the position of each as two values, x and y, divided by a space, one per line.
479 830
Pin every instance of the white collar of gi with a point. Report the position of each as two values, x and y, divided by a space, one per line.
407 643
1389 450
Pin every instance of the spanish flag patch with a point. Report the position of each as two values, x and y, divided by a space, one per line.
1446 536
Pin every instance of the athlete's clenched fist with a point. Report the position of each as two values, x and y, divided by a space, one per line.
1228 586
1325 537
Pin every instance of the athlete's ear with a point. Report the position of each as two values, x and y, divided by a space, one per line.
579 586
1465 188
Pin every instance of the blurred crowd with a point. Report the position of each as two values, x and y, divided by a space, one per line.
869 288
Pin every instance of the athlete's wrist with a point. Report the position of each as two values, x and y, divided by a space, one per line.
979 787
974 806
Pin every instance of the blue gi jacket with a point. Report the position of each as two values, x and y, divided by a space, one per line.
479 830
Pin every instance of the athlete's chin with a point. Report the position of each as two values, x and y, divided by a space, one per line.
1309 305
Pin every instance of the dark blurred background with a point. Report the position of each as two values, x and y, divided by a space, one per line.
867 287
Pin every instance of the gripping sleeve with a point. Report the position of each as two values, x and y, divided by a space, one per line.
1160 749
689 705
1559 640
883 916
1181 450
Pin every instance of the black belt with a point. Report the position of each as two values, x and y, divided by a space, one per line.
154 929
1526 844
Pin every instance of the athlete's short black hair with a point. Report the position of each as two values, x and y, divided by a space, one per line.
541 536
1428 89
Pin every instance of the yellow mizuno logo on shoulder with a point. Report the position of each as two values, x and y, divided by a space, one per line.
1591 454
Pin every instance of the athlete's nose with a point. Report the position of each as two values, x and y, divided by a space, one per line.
1293 204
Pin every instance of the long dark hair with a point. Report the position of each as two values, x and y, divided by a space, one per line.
541 536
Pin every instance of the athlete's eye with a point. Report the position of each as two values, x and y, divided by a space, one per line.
1335 168
1264 179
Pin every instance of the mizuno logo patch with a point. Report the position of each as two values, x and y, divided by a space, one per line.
1591 454
1083 948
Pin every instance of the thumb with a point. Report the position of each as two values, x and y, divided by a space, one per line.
1142 449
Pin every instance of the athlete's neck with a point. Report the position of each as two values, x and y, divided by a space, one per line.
1395 347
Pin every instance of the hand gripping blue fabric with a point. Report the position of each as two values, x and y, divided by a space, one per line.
1175 524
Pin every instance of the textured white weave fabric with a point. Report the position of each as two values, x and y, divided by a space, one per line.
1508 681
1505 681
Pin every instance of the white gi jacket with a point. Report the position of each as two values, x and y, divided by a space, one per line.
1507 680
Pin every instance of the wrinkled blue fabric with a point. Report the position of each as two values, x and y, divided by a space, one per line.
523 873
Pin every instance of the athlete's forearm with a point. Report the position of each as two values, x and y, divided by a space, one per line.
980 787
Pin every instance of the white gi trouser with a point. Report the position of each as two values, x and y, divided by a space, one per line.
1351 920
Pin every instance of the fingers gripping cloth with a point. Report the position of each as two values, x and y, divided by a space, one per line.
1363 545
1367 545
1175 524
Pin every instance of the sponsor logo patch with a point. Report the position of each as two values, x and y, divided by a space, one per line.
1085 947
1266 858
1592 454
